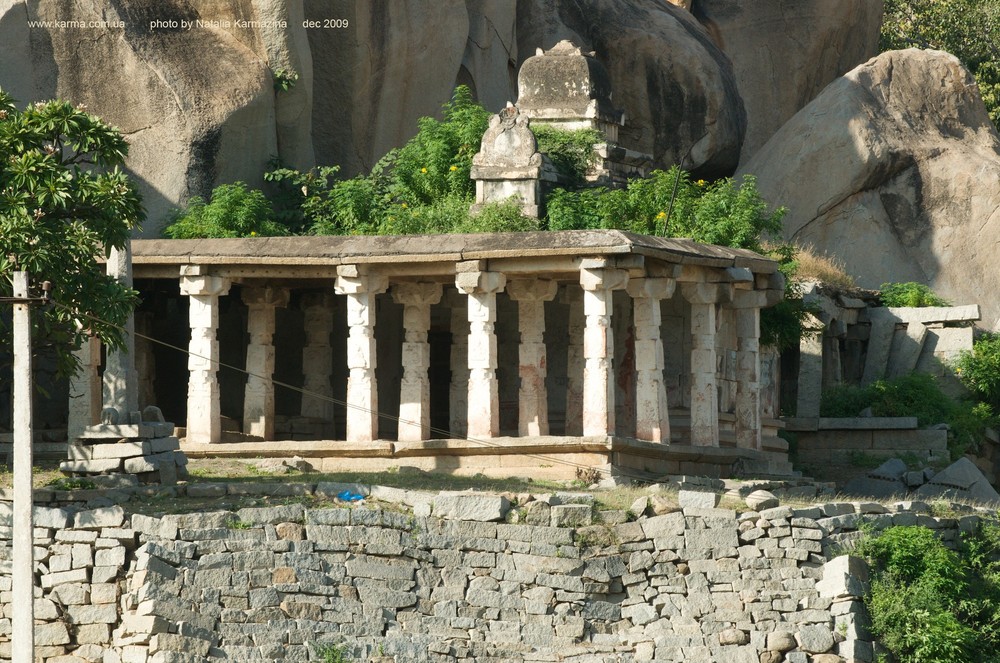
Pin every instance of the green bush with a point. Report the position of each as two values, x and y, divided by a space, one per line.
929 603
234 211
979 370
910 294
571 152
915 395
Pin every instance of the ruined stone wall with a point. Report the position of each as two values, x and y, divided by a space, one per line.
269 583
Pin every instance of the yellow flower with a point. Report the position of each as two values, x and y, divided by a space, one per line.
423 170
253 233
701 182
661 215
403 205
453 168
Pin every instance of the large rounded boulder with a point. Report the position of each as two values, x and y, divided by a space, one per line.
894 169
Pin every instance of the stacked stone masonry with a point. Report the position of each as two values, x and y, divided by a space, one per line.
273 583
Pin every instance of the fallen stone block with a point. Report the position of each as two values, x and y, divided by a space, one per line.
571 515
482 508
759 500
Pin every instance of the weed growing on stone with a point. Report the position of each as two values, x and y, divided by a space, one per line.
331 653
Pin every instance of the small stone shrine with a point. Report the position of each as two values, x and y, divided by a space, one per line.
508 164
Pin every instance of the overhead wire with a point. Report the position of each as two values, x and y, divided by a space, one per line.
323 397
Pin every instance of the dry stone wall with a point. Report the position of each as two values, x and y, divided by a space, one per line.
275 583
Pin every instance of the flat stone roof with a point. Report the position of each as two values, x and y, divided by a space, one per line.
332 250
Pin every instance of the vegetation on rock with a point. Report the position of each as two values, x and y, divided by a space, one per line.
909 294
968 29
929 603
979 370
64 200
233 211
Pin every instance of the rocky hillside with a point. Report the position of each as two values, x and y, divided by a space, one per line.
890 163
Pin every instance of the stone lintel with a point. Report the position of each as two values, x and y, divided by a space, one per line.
416 294
750 299
204 286
357 279
653 288
194 270
707 293
603 279
274 297
532 290
480 283
739 275
471 266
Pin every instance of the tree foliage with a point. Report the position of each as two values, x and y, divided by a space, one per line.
65 201
968 29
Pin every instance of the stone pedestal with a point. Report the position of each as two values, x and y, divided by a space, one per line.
484 406
704 384
415 388
121 380
651 419
748 373
598 349
317 356
533 404
361 287
84 390
204 424
258 400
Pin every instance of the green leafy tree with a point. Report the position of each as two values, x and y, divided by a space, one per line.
968 29
64 203
234 211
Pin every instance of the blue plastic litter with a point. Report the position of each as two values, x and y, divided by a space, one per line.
348 496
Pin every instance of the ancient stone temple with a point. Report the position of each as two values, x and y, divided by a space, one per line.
491 352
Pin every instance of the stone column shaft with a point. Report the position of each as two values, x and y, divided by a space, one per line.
317 356
258 401
704 383
533 402
361 289
415 388
574 361
598 349
748 405
85 390
651 417
204 413
459 362
121 380
483 418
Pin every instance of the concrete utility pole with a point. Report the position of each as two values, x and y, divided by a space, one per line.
23 582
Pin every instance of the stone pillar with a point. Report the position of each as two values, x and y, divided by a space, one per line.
574 361
533 402
459 391
317 356
704 385
651 418
85 389
361 287
810 378
258 400
484 402
121 381
204 424
598 349
415 388
748 398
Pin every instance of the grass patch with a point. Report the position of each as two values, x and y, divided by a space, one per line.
815 266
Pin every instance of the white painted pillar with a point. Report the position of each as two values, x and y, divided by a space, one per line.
704 363
23 562
258 398
533 402
748 305
204 423
415 388
573 296
484 400
651 418
599 285
317 356
458 402
361 287
85 389
121 381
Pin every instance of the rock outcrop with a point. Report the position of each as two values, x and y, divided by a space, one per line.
893 169
784 53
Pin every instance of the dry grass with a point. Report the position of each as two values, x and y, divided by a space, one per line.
815 266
